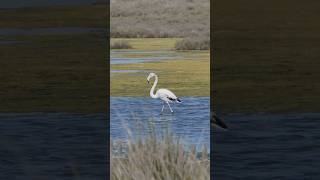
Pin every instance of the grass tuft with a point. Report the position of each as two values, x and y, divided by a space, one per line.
120 45
193 44
159 18
165 157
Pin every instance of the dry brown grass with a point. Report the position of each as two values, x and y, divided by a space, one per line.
120 44
193 44
161 158
160 18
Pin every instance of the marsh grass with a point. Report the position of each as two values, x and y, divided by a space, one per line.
157 157
193 44
120 44
163 19
184 77
159 18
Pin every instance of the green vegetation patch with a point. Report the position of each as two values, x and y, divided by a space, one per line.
185 77
149 44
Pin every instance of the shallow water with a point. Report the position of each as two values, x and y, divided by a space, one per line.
268 147
190 120
53 146
123 56
131 60
126 56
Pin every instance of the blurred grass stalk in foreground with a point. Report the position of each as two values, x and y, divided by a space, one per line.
157 157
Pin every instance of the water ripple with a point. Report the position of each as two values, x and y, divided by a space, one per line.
190 119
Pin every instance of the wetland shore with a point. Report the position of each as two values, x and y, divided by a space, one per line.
187 73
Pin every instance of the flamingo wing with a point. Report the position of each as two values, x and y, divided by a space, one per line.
167 95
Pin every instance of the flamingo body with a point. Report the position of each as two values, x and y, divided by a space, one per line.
167 96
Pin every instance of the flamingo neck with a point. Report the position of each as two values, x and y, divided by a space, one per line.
153 87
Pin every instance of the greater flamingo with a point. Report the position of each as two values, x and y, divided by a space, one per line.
164 94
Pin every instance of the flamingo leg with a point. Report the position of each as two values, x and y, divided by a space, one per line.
162 107
169 107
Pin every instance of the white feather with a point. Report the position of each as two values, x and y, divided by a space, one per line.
166 95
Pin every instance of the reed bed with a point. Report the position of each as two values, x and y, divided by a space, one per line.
193 44
158 157
120 44
159 18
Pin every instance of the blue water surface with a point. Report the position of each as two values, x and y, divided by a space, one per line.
190 120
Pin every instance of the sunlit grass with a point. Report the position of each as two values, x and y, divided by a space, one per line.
186 77
149 43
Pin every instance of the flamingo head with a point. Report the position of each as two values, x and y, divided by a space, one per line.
150 76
